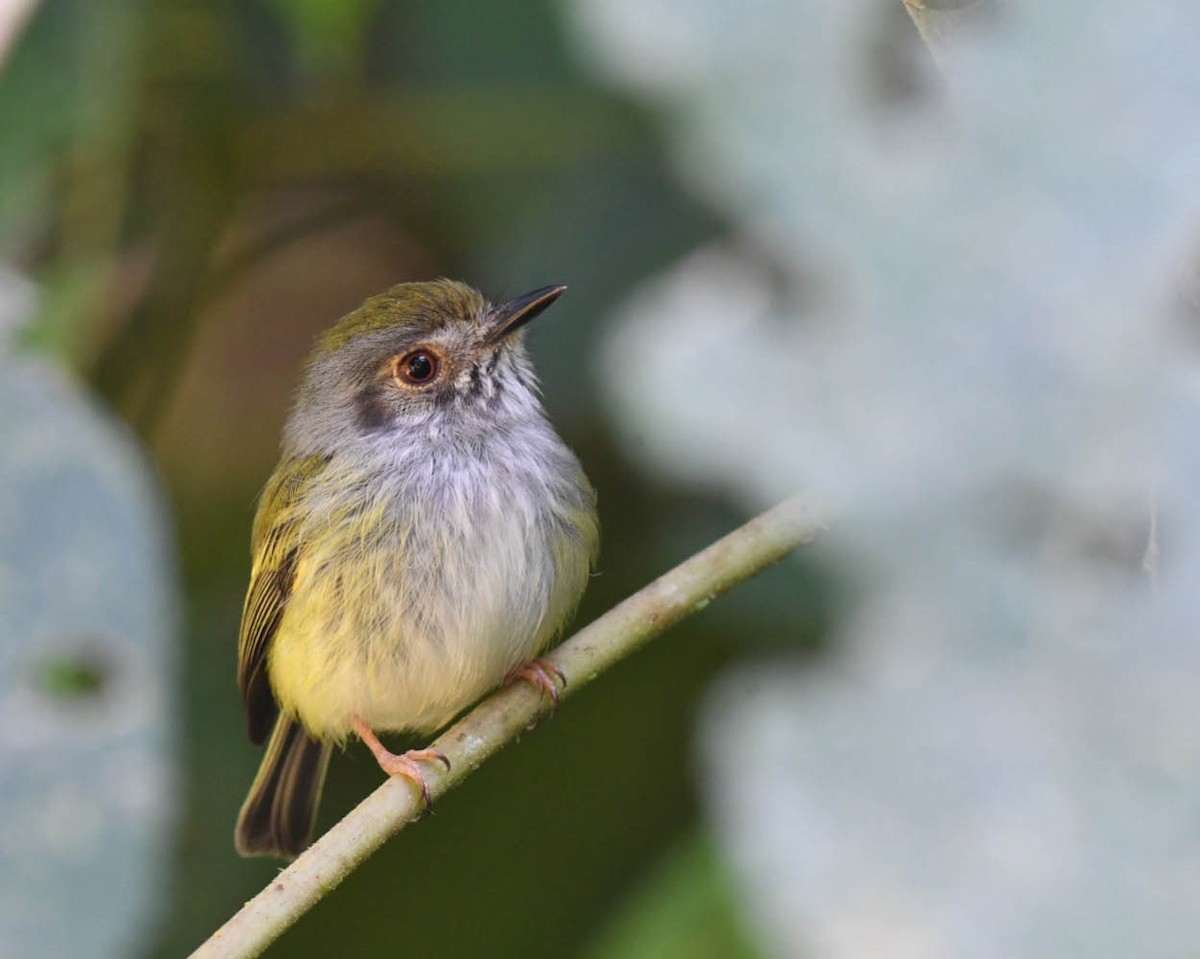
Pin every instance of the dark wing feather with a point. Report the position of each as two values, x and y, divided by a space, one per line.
276 550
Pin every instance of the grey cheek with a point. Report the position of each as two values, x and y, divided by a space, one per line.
371 409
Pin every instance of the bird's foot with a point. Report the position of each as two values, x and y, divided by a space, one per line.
406 764
540 673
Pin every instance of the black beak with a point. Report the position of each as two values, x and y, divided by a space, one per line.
509 317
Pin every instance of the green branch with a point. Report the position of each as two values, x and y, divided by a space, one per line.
499 719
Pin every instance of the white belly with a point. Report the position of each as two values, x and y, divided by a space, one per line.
409 622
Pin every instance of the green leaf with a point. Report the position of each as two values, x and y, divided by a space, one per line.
683 910
328 33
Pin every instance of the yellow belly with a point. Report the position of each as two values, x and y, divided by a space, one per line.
405 627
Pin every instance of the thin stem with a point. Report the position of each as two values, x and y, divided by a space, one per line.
496 721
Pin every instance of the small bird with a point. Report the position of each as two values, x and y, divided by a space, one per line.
425 535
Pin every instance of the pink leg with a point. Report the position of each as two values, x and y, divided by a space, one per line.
405 765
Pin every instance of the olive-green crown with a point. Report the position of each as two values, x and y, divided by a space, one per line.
429 305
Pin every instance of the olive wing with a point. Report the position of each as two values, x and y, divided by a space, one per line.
275 547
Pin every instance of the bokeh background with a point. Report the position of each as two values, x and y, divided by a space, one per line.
947 288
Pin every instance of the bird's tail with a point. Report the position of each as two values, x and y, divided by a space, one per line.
277 816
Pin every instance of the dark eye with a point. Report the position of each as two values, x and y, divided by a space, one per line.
417 368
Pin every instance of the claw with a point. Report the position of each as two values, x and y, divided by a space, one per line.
406 764
435 754
537 673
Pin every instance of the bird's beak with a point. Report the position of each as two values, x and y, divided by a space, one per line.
509 317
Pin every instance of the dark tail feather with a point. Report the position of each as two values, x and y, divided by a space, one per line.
277 817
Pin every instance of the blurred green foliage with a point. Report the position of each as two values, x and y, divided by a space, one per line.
200 186
683 910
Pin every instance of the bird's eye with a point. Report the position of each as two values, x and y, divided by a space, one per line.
418 368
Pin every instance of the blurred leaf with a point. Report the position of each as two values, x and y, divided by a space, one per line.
683 910
37 90
69 291
87 649
949 322
328 33
65 86
66 125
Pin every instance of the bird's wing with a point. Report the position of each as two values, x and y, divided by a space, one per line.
275 547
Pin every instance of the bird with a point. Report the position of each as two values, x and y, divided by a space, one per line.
424 536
